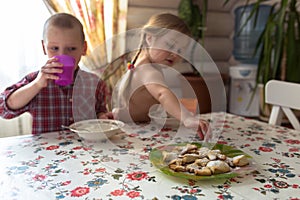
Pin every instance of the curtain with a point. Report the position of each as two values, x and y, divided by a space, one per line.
102 20
21 35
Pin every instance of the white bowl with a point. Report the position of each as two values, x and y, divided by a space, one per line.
159 116
97 129
165 120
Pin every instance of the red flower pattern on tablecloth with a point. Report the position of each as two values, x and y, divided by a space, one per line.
65 183
39 177
276 160
281 184
102 169
292 141
222 142
77 148
133 194
52 147
268 186
117 192
265 149
294 149
137 176
80 191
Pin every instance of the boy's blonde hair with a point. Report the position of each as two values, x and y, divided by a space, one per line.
63 20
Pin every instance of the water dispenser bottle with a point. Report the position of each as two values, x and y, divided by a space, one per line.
247 34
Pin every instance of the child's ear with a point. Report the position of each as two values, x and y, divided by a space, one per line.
43 45
84 48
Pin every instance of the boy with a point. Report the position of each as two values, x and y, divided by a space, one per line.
52 105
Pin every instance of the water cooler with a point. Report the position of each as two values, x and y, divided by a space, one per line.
243 99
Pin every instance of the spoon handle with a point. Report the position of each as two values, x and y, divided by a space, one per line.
73 129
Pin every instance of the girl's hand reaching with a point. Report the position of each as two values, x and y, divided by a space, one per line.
201 125
108 115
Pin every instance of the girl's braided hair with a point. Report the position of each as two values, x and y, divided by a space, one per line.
159 25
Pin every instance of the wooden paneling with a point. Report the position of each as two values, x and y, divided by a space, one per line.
218 5
154 3
219 24
219 48
138 16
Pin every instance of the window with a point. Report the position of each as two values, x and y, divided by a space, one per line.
21 33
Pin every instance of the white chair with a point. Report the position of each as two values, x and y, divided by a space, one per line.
20 125
284 98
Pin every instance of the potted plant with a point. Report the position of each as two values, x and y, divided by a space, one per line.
279 42
194 13
195 18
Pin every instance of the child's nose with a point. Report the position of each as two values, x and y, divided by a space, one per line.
174 55
64 52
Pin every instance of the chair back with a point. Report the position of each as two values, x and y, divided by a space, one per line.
20 125
284 98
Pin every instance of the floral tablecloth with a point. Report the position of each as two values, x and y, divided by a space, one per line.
60 165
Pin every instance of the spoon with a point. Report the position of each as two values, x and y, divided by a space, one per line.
74 129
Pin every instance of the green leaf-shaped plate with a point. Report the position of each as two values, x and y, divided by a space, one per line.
156 157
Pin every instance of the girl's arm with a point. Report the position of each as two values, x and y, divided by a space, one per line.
168 100
173 106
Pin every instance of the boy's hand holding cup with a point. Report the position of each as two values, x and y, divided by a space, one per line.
66 77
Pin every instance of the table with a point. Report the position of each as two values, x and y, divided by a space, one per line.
60 165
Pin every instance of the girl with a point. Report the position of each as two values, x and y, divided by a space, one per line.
163 38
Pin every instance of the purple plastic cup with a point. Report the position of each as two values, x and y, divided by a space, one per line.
66 78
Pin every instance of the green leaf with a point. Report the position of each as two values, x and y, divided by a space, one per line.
185 11
193 16
292 45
